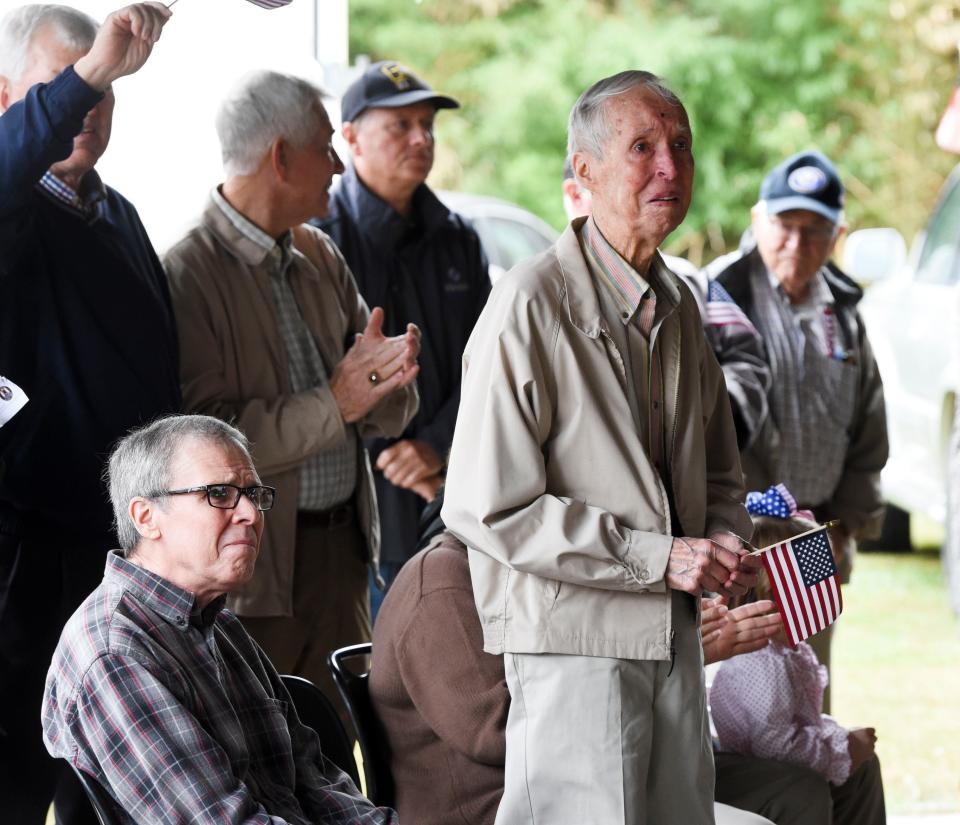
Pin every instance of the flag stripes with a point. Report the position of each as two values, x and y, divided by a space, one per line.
805 609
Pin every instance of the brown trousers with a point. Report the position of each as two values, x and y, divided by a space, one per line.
331 608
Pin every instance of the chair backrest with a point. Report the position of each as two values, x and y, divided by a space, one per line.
101 802
355 690
316 711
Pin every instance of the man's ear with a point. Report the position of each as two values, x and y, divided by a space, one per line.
4 93
143 514
279 155
841 231
580 163
350 132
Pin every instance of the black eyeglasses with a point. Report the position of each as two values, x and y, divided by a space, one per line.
227 496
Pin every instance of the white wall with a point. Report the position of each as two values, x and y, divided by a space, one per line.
164 154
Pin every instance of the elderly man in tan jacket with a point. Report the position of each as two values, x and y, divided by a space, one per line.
275 338
594 452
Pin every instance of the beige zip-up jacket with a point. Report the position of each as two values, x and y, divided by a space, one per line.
233 365
549 485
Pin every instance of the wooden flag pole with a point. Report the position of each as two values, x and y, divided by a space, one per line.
817 529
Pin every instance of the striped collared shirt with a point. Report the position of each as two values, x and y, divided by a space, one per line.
177 712
629 297
84 202
328 478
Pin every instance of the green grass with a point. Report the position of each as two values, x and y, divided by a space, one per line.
896 663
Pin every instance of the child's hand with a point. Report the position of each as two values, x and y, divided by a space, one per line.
861 744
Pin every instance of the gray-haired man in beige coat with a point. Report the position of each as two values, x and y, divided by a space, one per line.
595 478
275 339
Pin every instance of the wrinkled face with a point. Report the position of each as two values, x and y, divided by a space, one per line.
311 171
393 148
794 245
644 178
204 549
46 58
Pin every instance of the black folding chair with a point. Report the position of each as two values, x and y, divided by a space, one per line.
101 802
355 690
316 711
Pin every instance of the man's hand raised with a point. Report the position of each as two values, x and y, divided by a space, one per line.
123 44
374 367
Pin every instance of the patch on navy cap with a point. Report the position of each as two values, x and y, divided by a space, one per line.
806 180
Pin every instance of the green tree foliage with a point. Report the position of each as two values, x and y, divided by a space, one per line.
862 81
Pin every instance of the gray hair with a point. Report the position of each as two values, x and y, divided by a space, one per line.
262 107
73 28
141 463
588 129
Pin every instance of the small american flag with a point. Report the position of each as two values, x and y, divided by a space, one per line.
269 4
805 584
723 311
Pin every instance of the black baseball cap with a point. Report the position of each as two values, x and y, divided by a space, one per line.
807 180
387 85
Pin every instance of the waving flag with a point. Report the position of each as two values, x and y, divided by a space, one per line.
805 584
723 311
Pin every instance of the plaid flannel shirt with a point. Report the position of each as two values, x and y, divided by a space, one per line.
180 715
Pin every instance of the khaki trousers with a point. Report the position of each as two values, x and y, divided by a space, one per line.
331 608
609 741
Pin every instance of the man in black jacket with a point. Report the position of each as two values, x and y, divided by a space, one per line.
419 261
86 331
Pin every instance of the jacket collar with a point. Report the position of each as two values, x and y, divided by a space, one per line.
583 303
244 242
378 220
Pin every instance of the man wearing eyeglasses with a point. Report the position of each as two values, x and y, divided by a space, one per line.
825 437
275 337
156 691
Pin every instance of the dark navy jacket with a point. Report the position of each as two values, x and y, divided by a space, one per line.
86 326
429 270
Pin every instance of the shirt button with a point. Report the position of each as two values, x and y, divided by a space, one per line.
624 315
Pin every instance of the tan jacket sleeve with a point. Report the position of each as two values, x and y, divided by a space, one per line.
725 490
496 498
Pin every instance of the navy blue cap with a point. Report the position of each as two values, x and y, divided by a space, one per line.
807 180
388 85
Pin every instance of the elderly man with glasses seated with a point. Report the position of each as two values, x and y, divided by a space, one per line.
156 690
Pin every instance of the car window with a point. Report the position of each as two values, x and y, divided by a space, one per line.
938 260
515 241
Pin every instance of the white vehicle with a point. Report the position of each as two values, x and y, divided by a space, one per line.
509 233
912 314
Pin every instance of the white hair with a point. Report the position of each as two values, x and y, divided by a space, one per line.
73 28
588 128
262 107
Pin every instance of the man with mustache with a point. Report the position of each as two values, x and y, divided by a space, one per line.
276 338
86 331
418 260
595 479
156 691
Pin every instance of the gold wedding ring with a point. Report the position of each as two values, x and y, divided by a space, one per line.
374 377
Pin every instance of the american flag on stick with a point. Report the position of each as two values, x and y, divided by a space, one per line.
805 583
